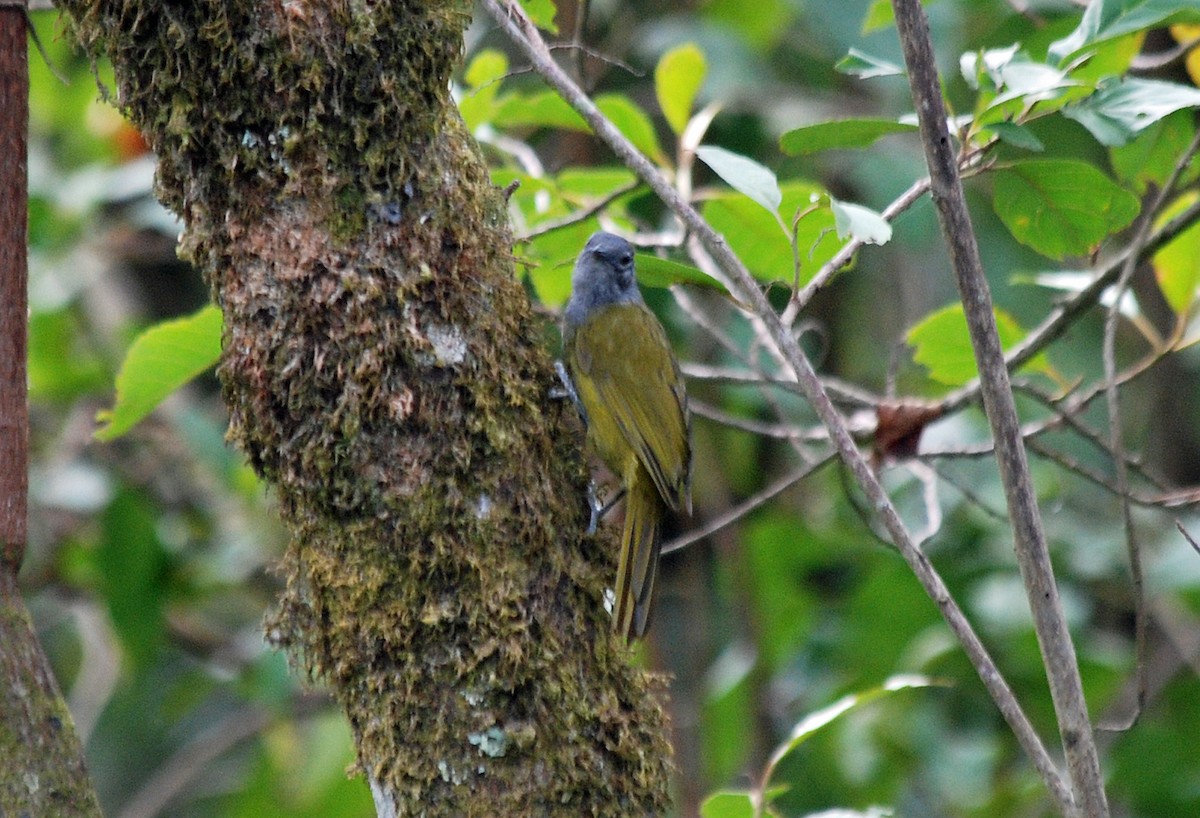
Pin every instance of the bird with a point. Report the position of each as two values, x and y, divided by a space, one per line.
627 383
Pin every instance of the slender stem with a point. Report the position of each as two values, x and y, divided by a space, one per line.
1033 556
14 411
524 34
732 515
1116 437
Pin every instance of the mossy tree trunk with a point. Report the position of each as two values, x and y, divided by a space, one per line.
385 374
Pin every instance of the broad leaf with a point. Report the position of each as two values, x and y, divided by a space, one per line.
941 343
544 109
1177 264
743 175
550 257
1120 110
541 12
862 223
653 271
633 122
478 104
844 133
879 15
1151 157
1105 19
1018 136
677 79
162 359
978 66
759 241
595 182
727 804
133 566
864 66
1059 207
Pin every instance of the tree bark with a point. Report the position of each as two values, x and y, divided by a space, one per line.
43 772
385 374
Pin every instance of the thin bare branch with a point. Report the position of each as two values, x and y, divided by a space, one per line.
1116 434
583 214
748 505
1033 556
777 431
1191 541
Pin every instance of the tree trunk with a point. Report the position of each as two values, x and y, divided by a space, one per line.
42 772
385 374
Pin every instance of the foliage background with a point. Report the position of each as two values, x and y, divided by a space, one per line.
150 558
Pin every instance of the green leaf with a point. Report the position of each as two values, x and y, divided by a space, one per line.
1011 84
132 563
552 255
880 15
162 359
728 804
1016 76
545 109
677 79
593 182
818 720
486 67
541 12
478 104
864 66
941 343
1177 264
541 109
843 133
633 122
744 175
62 364
1119 110
755 235
653 271
1105 19
1059 207
770 22
1108 59
1152 156
861 222
1016 135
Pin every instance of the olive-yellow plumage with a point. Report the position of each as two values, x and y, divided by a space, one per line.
628 382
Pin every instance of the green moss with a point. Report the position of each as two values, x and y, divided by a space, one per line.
384 372
43 771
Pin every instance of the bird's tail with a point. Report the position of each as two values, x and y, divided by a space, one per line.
638 564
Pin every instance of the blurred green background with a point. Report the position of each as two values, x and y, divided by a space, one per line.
150 561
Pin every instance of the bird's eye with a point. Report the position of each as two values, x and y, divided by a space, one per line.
626 259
